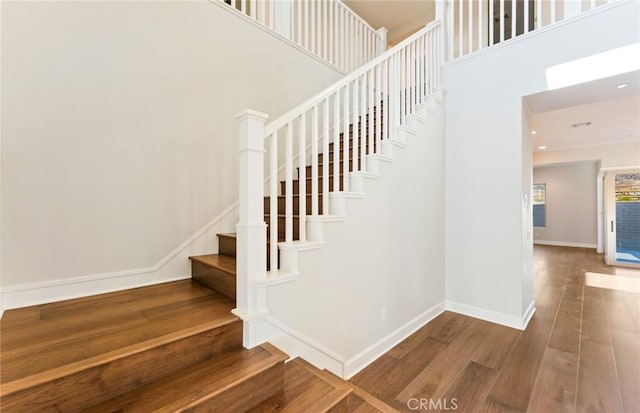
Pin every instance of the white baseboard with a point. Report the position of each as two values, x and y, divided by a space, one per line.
491 316
175 266
371 353
565 244
528 314
296 344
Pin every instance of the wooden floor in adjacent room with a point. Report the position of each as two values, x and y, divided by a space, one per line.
580 351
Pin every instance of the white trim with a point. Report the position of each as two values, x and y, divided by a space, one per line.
296 344
565 244
371 353
275 34
56 290
531 310
492 316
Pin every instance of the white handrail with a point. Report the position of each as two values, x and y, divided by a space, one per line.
357 115
327 28
295 112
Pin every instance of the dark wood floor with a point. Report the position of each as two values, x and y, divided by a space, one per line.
580 352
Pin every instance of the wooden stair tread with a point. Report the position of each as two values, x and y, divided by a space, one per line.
198 383
369 402
228 235
49 348
304 392
218 261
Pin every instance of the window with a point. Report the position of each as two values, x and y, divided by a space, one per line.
539 205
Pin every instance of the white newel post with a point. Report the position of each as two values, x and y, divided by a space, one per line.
442 13
381 33
251 258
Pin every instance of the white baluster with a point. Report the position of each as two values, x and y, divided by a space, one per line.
370 138
288 199
460 27
552 5
273 203
302 178
325 158
299 22
243 6
313 28
539 14
306 23
491 19
526 16
330 32
314 161
378 109
336 143
355 111
480 22
514 18
363 113
325 27
502 21
470 28
252 9
345 138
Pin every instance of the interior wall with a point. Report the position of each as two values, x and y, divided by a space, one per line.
381 273
571 206
484 156
119 137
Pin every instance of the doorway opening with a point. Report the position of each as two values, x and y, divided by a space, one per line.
627 217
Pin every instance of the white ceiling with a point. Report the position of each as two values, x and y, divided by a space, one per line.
397 16
614 113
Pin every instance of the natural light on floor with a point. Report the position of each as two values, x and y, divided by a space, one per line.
612 282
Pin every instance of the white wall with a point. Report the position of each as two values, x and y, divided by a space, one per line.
485 221
118 136
389 253
571 207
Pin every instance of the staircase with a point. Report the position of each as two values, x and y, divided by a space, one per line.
172 347
218 271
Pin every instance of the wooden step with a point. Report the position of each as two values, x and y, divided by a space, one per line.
282 228
296 183
78 353
296 203
331 165
305 392
227 244
216 271
235 381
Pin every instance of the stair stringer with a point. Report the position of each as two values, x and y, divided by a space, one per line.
314 318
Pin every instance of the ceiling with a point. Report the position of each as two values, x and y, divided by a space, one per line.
588 114
399 17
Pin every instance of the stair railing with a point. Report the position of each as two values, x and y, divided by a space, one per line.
345 129
326 28
476 25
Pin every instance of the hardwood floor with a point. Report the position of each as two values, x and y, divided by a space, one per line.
580 352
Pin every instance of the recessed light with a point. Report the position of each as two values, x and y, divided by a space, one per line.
622 85
533 132
542 147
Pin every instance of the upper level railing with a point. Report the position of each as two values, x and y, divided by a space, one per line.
473 25
326 28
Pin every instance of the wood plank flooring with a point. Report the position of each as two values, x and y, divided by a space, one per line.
580 352
52 336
